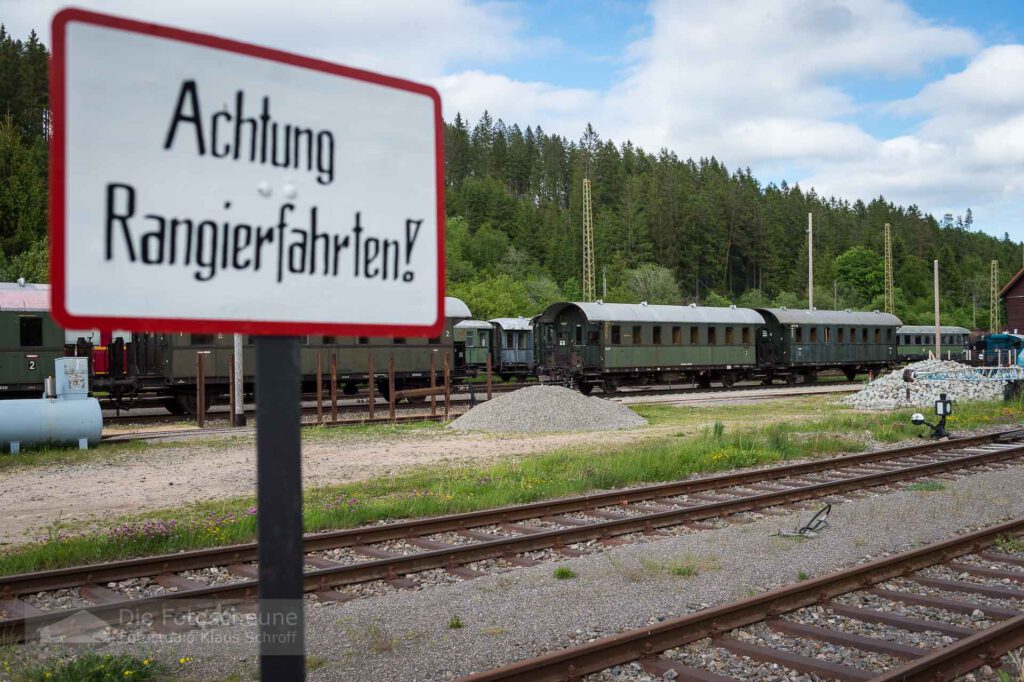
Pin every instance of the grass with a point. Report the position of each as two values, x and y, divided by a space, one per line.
803 575
748 435
564 573
1009 544
50 455
455 623
686 566
91 667
927 486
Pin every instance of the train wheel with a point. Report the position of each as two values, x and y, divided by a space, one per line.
810 376
793 378
585 388
349 389
728 379
505 377
174 407
850 372
704 380
610 387
186 404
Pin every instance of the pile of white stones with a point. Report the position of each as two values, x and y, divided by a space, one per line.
541 409
890 391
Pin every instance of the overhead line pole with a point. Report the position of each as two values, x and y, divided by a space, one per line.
810 261
938 325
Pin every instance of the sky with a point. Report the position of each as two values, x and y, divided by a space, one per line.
919 101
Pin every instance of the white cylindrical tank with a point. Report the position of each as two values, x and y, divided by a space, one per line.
33 422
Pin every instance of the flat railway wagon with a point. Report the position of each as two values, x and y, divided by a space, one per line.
166 364
512 349
916 341
617 344
796 344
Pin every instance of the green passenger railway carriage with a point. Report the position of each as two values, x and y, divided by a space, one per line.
29 339
916 341
795 344
616 344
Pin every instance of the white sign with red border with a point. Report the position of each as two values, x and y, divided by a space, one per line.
202 184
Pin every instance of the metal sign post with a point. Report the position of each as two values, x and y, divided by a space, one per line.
279 505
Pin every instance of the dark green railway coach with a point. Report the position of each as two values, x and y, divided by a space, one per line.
795 344
916 341
29 339
615 344
166 364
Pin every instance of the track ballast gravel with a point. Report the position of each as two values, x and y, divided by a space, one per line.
890 391
539 409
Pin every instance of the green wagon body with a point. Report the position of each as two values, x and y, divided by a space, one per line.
29 339
798 343
916 341
513 350
477 337
167 363
613 344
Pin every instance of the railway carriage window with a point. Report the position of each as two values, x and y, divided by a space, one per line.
729 337
201 339
828 334
508 340
616 335
677 336
579 335
853 335
434 340
657 335
483 339
638 336
694 336
31 331
400 340
814 335
917 340
330 340
798 334
840 338
593 338
864 335
746 336
363 340
878 335
712 336
888 335
469 340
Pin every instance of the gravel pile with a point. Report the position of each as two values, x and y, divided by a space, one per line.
890 392
545 409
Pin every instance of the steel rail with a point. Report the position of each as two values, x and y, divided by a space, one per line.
13 585
321 580
648 642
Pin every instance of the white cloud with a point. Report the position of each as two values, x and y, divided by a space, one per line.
968 150
409 38
472 92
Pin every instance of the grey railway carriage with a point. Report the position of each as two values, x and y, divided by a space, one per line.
795 344
916 341
165 364
512 351
615 344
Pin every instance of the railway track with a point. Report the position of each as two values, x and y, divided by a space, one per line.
467 545
356 413
964 595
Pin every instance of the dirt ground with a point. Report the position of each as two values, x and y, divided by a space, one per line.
173 475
